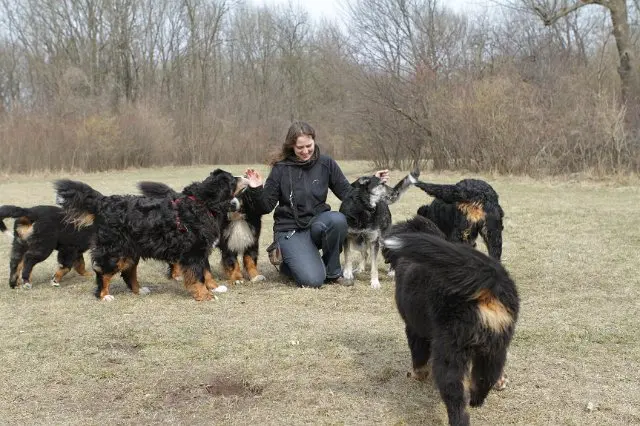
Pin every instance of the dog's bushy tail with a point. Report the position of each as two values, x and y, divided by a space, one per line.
12 212
80 201
464 270
447 193
157 190
393 194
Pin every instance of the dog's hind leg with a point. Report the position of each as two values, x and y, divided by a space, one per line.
192 283
485 373
16 263
79 266
375 248
451 373
66 260
30 260
420 348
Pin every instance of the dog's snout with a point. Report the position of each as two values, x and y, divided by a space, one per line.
241 184
234 205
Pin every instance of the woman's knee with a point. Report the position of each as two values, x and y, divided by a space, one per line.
337 220
308 277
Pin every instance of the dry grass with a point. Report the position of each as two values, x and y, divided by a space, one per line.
270 353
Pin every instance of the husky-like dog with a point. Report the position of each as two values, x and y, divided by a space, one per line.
368 217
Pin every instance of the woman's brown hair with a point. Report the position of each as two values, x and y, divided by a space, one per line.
297 129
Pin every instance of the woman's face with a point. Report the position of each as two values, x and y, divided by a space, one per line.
304 147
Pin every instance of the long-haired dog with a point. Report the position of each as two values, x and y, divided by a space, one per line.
239 234
37 231
464 210
368 218
460 309
132 227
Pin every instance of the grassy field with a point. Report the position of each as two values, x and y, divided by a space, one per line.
269 353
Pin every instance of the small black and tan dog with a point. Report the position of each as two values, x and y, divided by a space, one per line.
239 234
459 307
132 227
464 210
37 231
368 218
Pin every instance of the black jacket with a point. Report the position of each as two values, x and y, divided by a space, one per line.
311 182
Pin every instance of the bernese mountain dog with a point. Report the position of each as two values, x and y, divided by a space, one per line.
133 227
37 231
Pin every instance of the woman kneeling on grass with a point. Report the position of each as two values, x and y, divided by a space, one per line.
298 183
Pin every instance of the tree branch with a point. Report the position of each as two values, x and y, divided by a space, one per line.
549 17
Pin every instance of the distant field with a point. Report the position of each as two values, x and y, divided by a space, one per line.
270 353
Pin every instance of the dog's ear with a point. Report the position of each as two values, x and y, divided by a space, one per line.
363 180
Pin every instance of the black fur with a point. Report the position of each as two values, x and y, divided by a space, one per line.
131 227
368 216
459 307
239 233
464 210
37 231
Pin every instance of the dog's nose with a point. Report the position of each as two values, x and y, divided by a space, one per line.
234 205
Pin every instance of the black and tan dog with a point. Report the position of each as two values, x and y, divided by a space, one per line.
464 210
131 227
368 218
239 234
37 231
460 309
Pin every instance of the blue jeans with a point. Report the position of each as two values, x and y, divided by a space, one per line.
301 259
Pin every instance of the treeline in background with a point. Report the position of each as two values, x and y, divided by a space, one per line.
105 84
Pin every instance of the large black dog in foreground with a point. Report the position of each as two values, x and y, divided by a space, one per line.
130 227
459 307
464 210
37 232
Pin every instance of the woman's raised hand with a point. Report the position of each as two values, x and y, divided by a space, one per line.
254 178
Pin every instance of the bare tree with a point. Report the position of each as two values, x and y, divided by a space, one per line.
550 11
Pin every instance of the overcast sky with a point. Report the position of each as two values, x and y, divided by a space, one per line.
331 8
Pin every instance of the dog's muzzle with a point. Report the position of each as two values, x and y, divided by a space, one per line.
234 205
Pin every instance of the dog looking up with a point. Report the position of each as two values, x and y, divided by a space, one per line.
464 210
37 231
131 227
368 218
459 307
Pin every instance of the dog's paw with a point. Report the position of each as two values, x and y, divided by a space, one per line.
258 278
108 298
220 289
501 384
391 273
178 278
375 284
144 290
347 274
55 283
26 286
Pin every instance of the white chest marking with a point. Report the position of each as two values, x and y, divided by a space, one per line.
239 236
